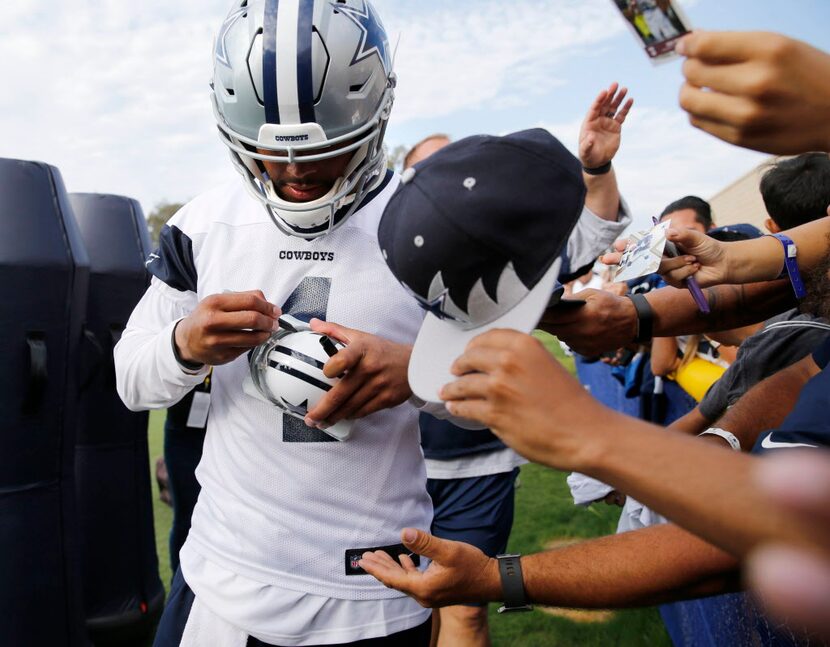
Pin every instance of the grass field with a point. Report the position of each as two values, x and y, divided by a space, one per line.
545 517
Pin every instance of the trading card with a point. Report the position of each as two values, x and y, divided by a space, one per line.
656 24
643 254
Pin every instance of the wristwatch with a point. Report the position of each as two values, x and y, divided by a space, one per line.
645 318
512 584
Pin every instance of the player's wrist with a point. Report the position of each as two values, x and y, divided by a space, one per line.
181 349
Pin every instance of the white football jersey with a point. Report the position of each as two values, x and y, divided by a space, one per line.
281 503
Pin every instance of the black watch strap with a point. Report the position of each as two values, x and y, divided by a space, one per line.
188 366
645 318
598 170
512 583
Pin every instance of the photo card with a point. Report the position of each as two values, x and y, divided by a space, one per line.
643 254
656 24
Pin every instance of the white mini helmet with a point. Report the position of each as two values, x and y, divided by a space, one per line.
287 370
305 80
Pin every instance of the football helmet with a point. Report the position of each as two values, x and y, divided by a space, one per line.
287 371
304 80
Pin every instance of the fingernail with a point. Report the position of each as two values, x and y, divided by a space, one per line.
690 260
310 422
409 535
322 426
680 48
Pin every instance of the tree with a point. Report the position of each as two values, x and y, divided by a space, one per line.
159 216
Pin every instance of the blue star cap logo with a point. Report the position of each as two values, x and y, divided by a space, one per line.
373 40
221 48
435 306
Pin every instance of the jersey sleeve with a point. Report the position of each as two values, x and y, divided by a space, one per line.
590 237
147 373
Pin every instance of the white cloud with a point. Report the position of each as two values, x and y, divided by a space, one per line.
116 94
663 158
455 57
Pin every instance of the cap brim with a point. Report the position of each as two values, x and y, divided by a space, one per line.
440 343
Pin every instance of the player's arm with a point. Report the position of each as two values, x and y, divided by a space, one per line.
599 141
643 567
146 371
775 397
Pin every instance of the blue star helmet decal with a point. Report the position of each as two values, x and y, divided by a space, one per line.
374 40
221 48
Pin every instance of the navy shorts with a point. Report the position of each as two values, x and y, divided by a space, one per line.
173 621
476 510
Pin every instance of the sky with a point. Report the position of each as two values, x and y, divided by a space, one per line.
115 93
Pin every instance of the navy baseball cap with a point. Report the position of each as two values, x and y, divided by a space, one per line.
731 233
475 233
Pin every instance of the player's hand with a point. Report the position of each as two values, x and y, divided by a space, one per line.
794 583
758 90
509 382
373 373
606 322
458 573
224 326
600 134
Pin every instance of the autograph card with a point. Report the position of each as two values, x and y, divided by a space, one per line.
643 254
656 24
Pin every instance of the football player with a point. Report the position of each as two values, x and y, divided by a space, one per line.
302 91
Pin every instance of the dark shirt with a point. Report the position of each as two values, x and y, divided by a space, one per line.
785 339
808 424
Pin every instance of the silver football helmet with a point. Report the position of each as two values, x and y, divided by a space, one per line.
304 80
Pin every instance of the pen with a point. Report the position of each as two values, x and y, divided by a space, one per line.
691 284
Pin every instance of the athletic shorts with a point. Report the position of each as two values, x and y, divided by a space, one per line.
476 510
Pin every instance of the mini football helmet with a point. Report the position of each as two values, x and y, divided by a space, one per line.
304 80
287 371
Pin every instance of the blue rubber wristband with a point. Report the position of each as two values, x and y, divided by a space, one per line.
791 265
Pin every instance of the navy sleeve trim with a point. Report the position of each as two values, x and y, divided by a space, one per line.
172 263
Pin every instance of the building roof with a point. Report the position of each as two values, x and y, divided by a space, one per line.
741 200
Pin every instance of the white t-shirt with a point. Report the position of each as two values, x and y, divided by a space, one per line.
274 513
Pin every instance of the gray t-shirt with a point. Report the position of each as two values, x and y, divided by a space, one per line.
784 340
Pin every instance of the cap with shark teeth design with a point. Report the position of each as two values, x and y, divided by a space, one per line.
475 233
